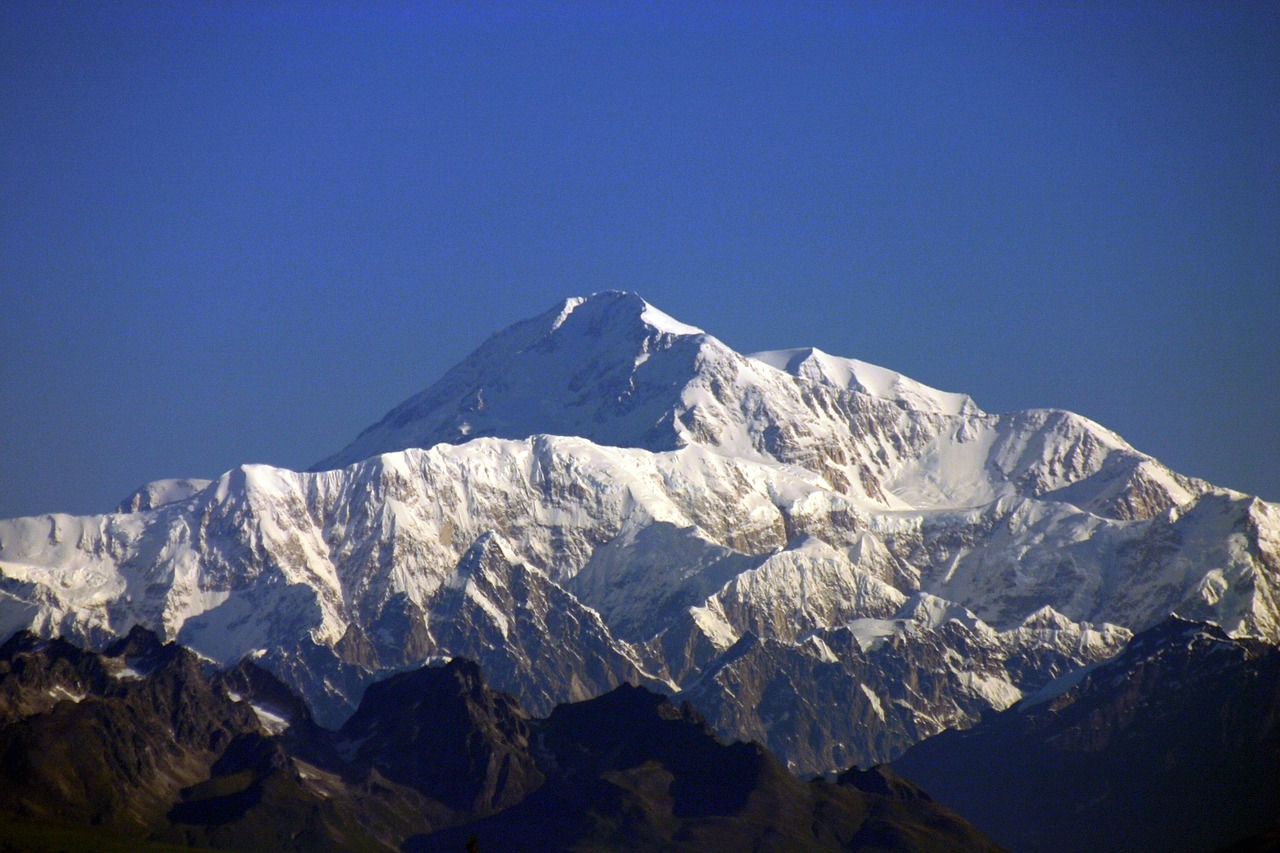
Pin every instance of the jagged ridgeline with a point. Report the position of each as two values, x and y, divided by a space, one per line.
815 552
144 746
1173 745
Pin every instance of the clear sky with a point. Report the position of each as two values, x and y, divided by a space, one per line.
240 232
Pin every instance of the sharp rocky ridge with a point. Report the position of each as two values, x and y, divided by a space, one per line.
603 494
145 743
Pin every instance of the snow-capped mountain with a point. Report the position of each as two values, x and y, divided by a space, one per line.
819 553
613 369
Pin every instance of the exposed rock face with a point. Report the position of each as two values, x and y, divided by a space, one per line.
446 734
1173 745
143 743
702 519
631 771
107 739
895 682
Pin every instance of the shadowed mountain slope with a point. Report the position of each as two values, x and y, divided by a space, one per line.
1173 745
146 742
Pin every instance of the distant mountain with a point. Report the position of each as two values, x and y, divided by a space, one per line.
615 370
1174 745
818 553
144 743
634 772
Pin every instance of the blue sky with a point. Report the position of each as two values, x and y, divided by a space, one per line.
236 232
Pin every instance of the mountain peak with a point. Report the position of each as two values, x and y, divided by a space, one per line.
614 370
853 375
602 367
487 550
620 305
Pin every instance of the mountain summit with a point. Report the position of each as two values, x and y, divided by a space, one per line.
613 369
607 367
817 553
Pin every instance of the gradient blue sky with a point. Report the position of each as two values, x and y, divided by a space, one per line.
240 232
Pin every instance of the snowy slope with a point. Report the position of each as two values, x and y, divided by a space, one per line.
615 370
566 567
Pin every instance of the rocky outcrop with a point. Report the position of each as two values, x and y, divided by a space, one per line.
1173 745
157 748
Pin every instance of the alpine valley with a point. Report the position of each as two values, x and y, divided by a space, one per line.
815 553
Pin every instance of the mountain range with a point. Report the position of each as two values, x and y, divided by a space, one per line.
144 745
815 553
1172 745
